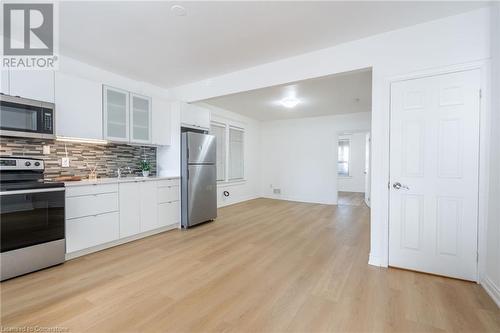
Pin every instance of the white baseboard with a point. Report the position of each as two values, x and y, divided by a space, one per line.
121 241
296 199
376 261
492 289
233 202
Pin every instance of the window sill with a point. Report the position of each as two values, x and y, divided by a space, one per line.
231 182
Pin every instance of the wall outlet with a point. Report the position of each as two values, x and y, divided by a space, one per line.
65 162
276 191
46 150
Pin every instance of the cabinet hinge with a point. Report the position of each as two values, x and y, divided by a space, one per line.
480 93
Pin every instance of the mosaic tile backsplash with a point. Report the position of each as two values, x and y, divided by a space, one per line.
107 158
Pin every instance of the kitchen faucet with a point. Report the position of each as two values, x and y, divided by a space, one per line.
119 171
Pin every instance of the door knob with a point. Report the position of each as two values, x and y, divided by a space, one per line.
398 185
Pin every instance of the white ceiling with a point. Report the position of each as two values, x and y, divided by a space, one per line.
144 41
334 94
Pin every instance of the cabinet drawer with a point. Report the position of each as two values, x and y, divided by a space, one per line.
168 194
73 191
168 182
90 231
168 213
91 205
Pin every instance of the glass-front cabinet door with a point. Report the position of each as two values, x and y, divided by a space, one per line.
140 118
116 114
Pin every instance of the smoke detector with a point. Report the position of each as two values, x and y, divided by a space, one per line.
178 10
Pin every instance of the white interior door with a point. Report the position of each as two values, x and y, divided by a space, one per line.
434 174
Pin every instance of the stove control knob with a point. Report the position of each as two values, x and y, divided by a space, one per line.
37 163
27 164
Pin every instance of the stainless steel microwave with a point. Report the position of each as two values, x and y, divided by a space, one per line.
24 117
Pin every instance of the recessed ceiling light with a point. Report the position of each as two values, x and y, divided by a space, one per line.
289 102
178 10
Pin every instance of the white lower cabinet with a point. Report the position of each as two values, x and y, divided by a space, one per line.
149 202
130 209
107 214
168 194
93 204
168 202
168 213
89 231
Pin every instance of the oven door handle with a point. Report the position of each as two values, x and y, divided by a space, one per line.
32 191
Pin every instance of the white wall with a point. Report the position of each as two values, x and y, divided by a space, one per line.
299 156
449 41
71 66
355 182
491 278
249 188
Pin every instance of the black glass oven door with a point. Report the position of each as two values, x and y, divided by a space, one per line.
31 217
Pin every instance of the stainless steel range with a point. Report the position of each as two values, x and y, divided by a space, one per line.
32 218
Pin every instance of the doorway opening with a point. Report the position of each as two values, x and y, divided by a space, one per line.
353 168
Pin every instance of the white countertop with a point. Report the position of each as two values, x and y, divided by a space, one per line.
116 180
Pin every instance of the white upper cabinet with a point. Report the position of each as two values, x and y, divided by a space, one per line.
78 107
116 114
38 85
140 118
195 116
4 82
134 118
161 122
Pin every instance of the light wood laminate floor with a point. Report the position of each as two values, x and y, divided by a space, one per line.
351 198
263 266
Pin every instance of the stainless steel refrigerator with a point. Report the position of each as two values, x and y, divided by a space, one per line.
198 178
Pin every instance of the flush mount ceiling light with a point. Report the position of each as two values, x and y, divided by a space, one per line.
289 102
178 10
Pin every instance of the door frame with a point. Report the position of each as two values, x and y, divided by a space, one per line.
484 150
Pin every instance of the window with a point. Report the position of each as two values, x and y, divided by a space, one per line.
343 157
235 153
219 131
230 151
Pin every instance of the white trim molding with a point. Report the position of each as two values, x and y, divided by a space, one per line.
100 247
297 199
375 261
491 289
237 201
